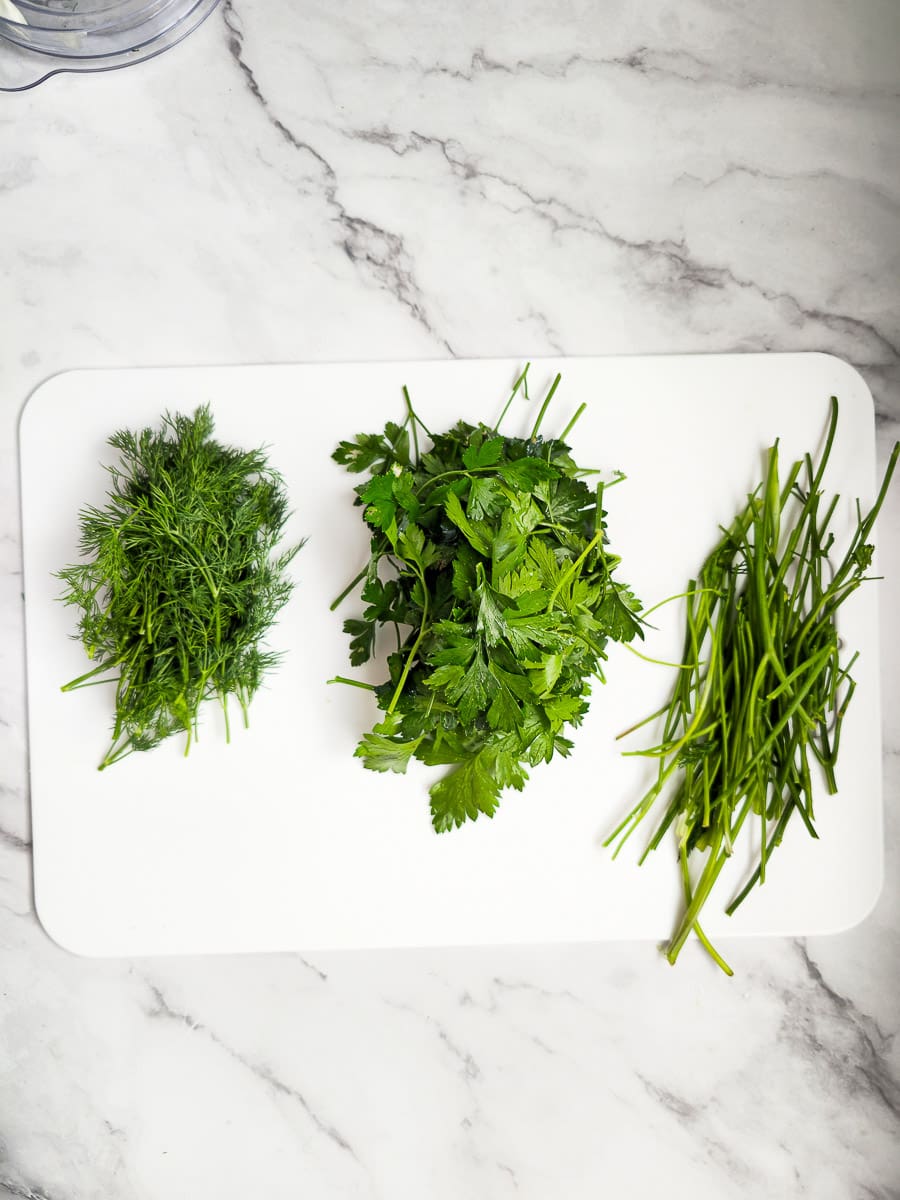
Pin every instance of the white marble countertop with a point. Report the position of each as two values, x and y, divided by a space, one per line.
420 180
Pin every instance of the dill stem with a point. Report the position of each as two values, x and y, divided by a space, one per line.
81 681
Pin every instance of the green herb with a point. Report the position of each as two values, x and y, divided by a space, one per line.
758 704
489 563
179 584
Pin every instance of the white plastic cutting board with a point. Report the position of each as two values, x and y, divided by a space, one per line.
281 840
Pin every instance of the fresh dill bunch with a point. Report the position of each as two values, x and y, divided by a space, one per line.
179 582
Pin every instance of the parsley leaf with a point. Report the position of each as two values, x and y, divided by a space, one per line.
456 514
385 749
618 613
362 640
526 473
485 455
467 790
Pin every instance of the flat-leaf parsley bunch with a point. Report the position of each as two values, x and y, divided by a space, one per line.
490 564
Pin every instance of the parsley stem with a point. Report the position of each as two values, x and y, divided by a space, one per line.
568 429
413 424
660 662
544 407
415 420
761 691
522 380
423 629
567 575
349 588
631 729
678 596
704 940
460 472
357 683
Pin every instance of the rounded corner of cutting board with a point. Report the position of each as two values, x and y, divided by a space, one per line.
864 905
43 393
59 926
838 366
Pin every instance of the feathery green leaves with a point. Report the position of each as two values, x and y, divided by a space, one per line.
178 581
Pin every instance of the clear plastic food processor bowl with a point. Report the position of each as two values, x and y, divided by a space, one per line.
39 38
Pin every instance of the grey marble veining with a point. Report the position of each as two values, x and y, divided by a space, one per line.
390 180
